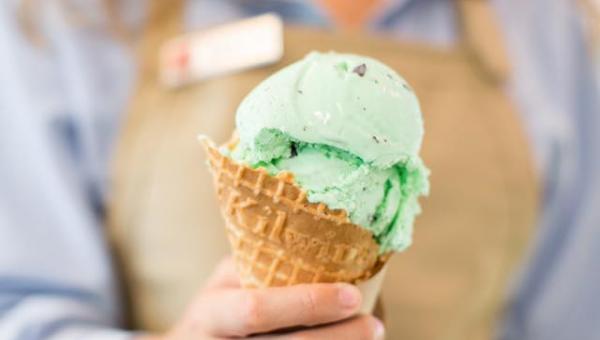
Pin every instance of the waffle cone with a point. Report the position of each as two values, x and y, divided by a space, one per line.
278 238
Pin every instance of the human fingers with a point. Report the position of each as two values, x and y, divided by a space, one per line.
238 312
358 328
225 275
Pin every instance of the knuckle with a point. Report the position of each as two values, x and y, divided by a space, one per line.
310 301
252 318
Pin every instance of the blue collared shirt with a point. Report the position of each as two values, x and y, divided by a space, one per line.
61 104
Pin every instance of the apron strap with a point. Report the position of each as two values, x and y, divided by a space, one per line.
164 21
483 39
591 20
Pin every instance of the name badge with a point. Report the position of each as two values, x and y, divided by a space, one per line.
220 50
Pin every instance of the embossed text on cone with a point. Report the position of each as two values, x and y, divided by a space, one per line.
279 238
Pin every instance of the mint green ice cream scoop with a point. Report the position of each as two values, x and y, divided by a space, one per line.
350 129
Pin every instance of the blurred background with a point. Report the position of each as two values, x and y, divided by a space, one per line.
108 215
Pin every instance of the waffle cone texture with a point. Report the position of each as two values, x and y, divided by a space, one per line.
278 238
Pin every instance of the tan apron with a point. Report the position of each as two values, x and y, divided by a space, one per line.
451 284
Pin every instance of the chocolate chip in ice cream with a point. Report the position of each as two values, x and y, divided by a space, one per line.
360 70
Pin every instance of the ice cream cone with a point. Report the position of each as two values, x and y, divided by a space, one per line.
278 238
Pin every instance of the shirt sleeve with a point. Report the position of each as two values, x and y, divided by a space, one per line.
56 277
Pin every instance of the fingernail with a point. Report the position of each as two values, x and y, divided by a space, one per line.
379 329
349 296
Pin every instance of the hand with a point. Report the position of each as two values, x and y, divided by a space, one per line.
310 311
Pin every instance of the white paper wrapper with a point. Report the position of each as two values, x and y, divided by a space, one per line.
370 291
